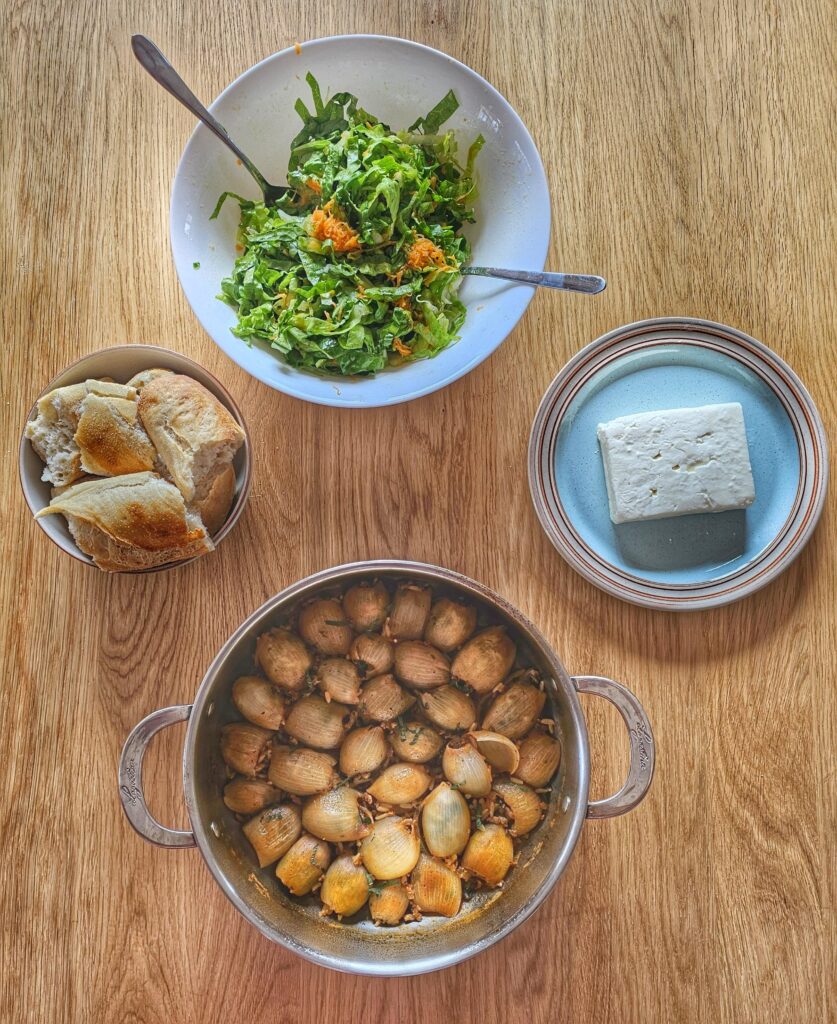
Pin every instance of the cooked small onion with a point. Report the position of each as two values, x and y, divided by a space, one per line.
340 679
259 701
445 821
437 888
245 747
345 887
400 784
420 665
489 854
500 752
389 905
302 772
322 624
515 711
449 708
272 832
410 610
302 867
335 816
523 803
450 624
383 700
365 605
540 756
466 768
321 735
318 723
486 660
373 654
284 658
363 750
415 742
249 796
391 849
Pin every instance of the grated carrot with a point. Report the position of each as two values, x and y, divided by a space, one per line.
423 253
326 225
401 348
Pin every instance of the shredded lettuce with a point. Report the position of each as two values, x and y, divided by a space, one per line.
358 268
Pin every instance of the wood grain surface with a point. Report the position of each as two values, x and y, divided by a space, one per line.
689 147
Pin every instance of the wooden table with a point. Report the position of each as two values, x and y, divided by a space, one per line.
687 146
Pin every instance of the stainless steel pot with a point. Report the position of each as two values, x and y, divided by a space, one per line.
363 948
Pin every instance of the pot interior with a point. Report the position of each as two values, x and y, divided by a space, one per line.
356 944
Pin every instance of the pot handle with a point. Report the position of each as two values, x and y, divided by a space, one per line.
641 738
130 778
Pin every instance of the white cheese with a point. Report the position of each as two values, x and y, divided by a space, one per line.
676 462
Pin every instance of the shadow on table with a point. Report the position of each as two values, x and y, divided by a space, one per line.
701 637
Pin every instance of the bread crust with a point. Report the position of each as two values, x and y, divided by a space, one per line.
111 439
139 380
216 506
52 432
131 521
194 434
112 556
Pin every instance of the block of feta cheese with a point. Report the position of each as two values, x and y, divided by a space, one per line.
676 462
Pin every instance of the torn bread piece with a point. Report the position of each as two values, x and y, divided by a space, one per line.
139 380
135 521
215 507
195 436
52 432
110 437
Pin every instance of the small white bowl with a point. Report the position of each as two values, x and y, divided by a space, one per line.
121 363
397 81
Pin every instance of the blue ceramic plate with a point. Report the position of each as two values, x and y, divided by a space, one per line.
691 561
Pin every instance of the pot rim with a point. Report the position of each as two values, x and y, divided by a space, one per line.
422 570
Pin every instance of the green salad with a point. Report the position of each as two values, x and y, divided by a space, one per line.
358 268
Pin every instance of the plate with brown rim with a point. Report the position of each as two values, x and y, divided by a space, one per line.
689 562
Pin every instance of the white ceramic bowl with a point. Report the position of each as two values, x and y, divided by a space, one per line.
121 363
396 80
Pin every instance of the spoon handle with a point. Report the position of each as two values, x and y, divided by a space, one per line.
149 55
542 279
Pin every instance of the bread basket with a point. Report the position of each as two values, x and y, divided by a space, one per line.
120 363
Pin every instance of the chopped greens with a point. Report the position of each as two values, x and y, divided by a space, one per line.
444 109
376 887
358 268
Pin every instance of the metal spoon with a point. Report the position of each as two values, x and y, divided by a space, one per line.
541 279
163 73
156 64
